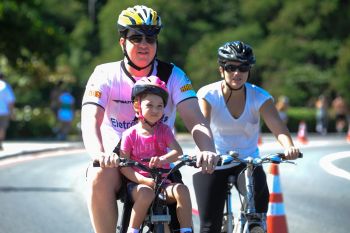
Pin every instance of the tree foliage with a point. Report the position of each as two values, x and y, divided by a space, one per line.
302 46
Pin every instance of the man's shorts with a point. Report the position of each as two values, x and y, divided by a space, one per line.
4 122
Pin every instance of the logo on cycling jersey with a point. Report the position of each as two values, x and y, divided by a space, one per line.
126 125
187 87
97 94
122 124
123 101
164 118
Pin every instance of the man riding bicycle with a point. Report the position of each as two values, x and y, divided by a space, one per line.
107 109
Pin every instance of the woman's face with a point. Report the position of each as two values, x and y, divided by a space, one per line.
235 74
140 48
152 107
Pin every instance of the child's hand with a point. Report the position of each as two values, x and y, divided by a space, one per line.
156 162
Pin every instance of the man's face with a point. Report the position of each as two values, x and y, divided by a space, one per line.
140 48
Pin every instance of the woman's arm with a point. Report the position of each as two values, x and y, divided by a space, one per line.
270 115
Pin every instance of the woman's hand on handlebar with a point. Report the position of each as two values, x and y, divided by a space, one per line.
291 153
108 160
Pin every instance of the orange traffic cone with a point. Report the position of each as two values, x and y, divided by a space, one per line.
348 134
302 133
260 140
276 219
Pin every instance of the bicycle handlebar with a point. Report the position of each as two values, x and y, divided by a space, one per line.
276 158
124 162
231 157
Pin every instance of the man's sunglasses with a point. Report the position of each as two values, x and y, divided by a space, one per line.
137 39
233 68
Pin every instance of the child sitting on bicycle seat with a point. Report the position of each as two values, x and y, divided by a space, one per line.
150 138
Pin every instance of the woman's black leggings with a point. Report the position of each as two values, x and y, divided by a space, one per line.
210 190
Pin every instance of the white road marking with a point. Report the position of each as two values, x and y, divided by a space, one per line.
328 166
39 155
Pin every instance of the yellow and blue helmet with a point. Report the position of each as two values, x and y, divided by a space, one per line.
142 19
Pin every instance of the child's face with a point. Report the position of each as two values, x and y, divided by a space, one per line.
152 107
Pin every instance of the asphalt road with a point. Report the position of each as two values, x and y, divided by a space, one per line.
47 194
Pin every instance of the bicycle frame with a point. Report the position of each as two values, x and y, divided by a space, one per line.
227 225
248 216
158 214
248 220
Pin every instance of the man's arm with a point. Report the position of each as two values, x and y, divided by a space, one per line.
196 123
91 120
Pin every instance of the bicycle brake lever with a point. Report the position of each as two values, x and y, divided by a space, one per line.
288 161
187 160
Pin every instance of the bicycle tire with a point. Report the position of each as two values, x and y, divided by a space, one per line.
256 229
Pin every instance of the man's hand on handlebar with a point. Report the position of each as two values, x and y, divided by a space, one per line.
207 160
292 153
108 160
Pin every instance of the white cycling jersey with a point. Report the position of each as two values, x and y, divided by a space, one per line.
231 134
110 87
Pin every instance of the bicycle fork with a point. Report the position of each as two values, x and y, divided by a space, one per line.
248 207
227 225
249 220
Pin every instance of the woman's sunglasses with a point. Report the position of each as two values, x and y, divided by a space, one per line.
137 39
233 68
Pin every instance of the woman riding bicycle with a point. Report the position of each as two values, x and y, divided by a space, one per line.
152 139
233 107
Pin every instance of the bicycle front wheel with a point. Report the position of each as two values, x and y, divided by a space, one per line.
256 229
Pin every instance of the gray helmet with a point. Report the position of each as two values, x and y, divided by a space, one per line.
236 51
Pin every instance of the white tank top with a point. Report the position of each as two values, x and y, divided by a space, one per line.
110 87
231 134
